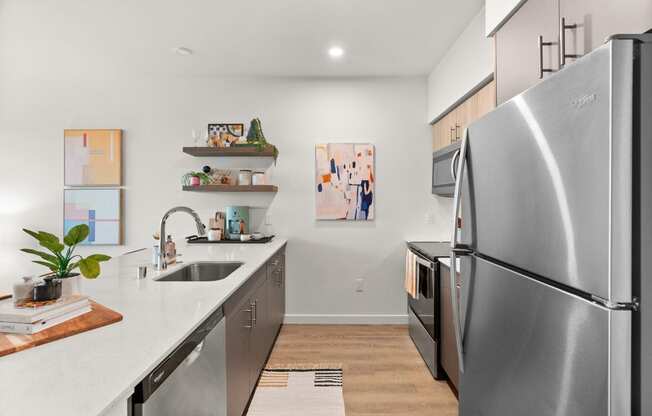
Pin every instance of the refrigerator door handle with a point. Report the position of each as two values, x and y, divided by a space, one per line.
454 251
458 187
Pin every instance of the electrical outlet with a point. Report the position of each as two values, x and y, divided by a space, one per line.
359 284
430 218
268 219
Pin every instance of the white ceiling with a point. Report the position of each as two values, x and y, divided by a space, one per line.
234 37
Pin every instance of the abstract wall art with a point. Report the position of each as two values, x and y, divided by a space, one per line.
100 209
345 181
92 157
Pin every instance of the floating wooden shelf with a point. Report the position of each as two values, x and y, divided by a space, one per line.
238 151
231 188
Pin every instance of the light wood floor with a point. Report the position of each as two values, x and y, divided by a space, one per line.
383 372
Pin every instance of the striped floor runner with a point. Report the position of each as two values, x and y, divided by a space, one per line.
299 391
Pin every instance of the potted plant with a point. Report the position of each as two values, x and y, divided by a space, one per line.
196 179
61 260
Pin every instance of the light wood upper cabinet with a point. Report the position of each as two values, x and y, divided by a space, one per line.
590 22
450 128
483 101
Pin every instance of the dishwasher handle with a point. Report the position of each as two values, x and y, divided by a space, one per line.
183 353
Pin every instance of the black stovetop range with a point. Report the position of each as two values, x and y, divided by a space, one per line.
431 249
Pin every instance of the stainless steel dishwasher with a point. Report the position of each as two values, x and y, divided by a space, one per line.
191 380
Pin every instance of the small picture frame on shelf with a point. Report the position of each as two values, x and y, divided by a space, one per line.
224 134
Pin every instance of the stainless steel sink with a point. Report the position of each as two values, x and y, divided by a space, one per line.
202 272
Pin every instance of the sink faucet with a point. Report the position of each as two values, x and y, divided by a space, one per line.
201 230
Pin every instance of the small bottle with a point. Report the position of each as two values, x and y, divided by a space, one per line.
23 290
170 250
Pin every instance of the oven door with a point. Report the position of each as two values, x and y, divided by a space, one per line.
425 305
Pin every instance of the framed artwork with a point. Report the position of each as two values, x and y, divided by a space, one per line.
92 157
226 130
345 181
100 209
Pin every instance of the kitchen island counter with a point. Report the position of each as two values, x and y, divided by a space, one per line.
94 372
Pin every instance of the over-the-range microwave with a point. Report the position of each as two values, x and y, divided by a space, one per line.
444 166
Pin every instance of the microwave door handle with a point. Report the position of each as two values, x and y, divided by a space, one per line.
453 161
453 283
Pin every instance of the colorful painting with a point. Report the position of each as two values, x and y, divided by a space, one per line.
100 209
345 181
93 157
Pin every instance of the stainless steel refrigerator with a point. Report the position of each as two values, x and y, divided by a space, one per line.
553 232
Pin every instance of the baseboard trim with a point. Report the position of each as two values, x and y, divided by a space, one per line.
339 319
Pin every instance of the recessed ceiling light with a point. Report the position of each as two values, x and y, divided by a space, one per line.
181 50
336 52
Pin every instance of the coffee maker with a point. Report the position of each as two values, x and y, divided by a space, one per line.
237 222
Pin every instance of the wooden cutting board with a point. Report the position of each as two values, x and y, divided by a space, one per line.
98 317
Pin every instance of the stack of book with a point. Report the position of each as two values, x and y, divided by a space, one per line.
29 319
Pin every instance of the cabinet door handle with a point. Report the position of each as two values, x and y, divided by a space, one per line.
541 44
254 312
563 27
457 136
251 317
452 134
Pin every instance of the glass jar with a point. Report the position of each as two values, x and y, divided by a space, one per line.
258 178
244 177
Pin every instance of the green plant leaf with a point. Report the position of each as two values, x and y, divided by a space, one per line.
45 256
52 267
76 235
54 246
45 236
89 268
99 257
32 233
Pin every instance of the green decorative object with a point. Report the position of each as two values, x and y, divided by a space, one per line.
255 133
256 137
63 261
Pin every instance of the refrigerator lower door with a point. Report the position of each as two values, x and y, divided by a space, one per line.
531 349
551 169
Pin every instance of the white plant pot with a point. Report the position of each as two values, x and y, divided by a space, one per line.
71 286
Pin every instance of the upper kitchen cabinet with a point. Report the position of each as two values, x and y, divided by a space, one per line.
543 35
449 128
527 47
589 22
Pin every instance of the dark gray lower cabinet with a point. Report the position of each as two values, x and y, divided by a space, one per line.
276 285
254 314
449 360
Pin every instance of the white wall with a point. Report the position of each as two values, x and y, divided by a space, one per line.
468 61
498 12
157 115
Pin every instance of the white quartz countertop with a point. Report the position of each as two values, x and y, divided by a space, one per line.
88 373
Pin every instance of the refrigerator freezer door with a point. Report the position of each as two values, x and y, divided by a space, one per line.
549 177
531 349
